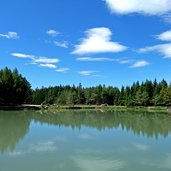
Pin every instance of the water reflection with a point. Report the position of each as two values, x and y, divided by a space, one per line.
15 125
141 123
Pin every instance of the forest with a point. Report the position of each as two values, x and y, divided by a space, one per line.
15 89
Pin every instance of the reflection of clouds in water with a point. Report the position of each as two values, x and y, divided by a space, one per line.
136 146
159 163
42 147
16 153
165 163
125 149
60 139
45 146
85 136
90 152
92 160
142 147
93 164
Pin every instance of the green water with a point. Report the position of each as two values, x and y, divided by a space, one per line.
85 141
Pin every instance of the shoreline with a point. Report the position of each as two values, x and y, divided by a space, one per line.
84 107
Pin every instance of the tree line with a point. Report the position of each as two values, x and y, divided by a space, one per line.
148 93
15 89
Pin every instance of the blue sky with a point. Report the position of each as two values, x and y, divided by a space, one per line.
92 42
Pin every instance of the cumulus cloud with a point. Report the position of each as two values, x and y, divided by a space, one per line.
10 35
139 64
63 70
87 72
146 7
98 40
38 60
163 49
165 36
52 33
94 59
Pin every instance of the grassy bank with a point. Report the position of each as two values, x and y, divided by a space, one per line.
86 107
97 107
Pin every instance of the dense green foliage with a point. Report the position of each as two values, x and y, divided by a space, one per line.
147 93
14 89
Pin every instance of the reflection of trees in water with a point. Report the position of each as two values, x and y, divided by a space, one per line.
13 127
140 123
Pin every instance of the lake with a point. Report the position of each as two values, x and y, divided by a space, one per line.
85 141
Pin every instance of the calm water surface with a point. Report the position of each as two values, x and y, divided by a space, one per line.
85 141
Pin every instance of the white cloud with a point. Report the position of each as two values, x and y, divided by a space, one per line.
125 61
10 35
98 40
21 55
139 64
48 65
45 60
63 70
38 60
133 62
165 36
146 7
163 49
52 33
87 73
63 44
94 59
